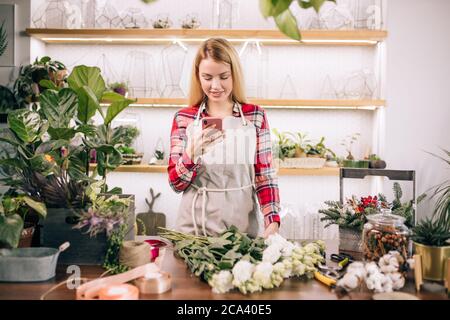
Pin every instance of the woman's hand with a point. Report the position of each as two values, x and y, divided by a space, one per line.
203 141
271 229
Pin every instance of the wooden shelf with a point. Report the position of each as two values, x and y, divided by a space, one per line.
146 36
326 171
270 103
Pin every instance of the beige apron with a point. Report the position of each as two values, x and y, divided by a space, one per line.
223 192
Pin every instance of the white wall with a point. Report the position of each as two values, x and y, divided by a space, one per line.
22 41
418 87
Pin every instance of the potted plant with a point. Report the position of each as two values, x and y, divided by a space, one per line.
282 147
431 236
190 22
120 88
14 231
350 161
108 216
351 217
376 162
35 78
8 102
300 142
123 139
162 22
52 148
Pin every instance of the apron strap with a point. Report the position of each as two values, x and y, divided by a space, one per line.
203 191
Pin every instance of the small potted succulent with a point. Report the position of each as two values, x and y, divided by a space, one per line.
350 161
376 162
190 22
162 22
120 88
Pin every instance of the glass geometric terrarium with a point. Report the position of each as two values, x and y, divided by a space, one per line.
134 18
337 17
368 14
139 73
173 59
360 85
107 17
254 63
225 14
57 14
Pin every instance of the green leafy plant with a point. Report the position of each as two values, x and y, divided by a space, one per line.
300 140
51 162
431 232
8 100
348 144
3 39
353 213
283 147
13 211
319 149
107 215
435 231
35 78
282 15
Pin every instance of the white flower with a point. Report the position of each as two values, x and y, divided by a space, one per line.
271 254
275 238
221 282
249 286
287 249
242 272
262 275
287 267
299 269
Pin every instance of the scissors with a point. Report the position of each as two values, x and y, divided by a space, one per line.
343 259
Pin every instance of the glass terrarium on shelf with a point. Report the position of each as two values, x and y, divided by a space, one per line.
107 17
225 14
134 18
139 73
173 60
254 60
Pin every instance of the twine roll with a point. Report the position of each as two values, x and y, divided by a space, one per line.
135 254
154 283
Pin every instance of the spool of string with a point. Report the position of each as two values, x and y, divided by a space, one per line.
135 253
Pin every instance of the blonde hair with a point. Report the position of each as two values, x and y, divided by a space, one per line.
220 50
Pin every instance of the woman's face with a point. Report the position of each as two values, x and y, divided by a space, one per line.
215 79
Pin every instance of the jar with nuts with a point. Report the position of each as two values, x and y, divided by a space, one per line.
383 233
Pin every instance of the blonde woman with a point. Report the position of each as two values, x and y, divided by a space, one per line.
225 169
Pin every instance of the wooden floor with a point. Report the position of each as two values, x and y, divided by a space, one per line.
188 287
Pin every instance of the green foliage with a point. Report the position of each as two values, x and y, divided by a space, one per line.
13 211
47 163
284 19
208 255
431 233
319 149
283 147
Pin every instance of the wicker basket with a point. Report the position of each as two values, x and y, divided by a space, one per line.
350 241
306 163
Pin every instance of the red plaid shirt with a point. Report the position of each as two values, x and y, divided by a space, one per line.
182 170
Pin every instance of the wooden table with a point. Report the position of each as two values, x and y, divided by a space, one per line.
188 287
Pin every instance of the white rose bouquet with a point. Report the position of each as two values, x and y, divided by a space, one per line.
234 260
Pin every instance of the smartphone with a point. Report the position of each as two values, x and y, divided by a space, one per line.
209 121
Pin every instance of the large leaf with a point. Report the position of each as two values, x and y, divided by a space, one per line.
11 227
115 108
59 107
288 25
25 124
62 133
84 76
108 161
88 104
39 207
51 145
48 84
273 8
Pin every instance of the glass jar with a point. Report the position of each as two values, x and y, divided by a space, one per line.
385 232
